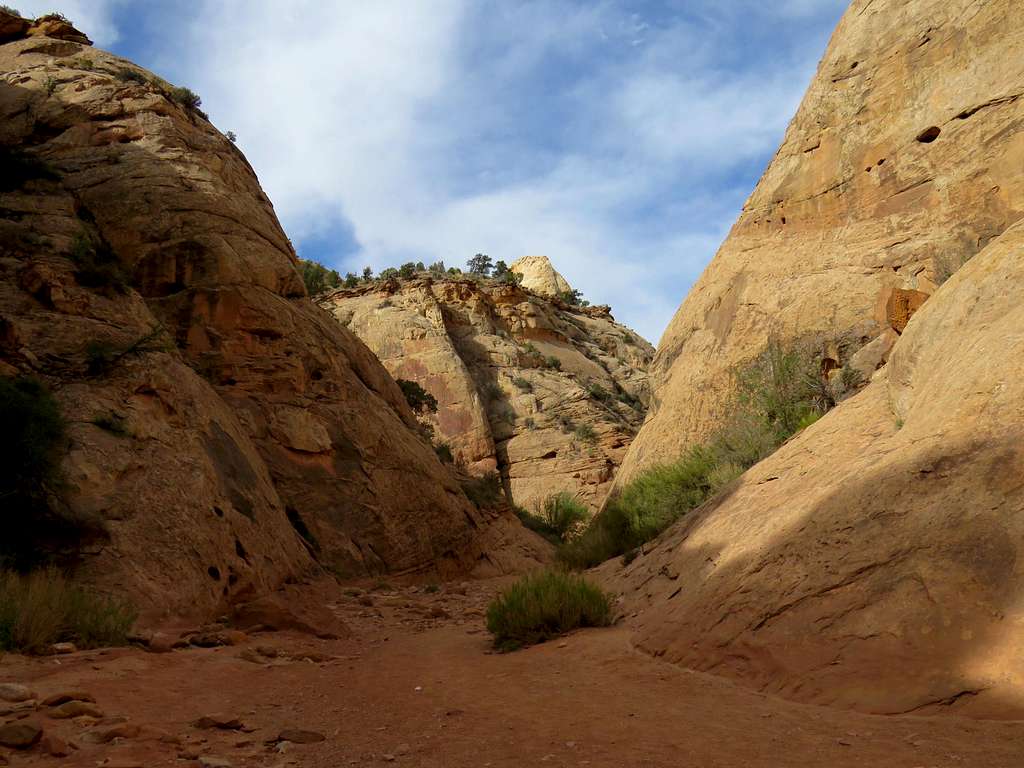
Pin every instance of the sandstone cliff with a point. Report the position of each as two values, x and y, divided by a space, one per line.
547 393
875 560
904 160
224 431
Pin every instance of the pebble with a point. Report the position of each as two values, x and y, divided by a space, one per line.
63 698
74 709
220 722
14 692
55 746
298 736
20 735
63 648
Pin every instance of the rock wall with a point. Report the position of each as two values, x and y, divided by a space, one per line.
904 160
548 394
224 431
874 561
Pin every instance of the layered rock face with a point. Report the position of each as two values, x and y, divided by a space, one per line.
224 431
905 159
875 560
547 393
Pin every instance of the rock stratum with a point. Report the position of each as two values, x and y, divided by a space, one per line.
875 560
225 434
547 393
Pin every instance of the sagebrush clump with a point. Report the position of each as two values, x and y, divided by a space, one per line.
43 607
544 605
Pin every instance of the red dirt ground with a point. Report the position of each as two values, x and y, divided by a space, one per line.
419 690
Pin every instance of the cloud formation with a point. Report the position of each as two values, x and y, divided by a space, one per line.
618 138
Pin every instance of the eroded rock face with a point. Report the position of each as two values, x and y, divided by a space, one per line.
874 561
904 160
540 276
224 431
519 378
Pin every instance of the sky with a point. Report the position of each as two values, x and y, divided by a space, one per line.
619 138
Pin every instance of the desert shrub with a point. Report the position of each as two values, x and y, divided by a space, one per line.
12 11
388 274
599 393
17 168
417 397
492 392
129 75
437 268
188 99
407 270
522 384
42 608
96 264
529 422
485 490
351 280
563 513
566 424
573 298
231 136
544 605
367 273
444 453
586 433
628 338
553 362
530 349
317 277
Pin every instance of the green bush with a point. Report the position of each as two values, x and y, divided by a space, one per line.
778 393
407 270
444 453
553 362
485 490
12 11
417 397
563 513
351 280
586 433
522 384
317 277
129 75
188 99
544 605
42 608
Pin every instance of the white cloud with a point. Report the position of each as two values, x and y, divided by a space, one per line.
605 140
93 17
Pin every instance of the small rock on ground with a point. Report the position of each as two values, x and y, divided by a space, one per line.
15 692
20 735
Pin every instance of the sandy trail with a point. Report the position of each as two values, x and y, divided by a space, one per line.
411 688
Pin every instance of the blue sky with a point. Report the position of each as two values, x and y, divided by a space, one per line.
618 138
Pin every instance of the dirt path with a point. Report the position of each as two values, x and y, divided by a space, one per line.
417 686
